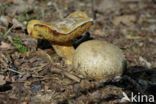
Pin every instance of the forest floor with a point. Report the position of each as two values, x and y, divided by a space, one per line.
32 74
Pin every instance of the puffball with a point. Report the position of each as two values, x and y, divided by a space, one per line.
99 60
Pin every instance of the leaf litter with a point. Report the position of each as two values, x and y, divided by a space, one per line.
40 76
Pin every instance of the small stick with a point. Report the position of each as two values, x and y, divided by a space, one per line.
67 74
8 31
93 10
15 71
57 70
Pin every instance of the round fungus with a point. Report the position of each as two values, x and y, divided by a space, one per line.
97 59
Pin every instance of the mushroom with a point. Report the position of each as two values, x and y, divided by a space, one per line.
60 33
97 59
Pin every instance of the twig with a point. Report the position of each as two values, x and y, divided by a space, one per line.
57 70
8 31
15 71
93 10
67 74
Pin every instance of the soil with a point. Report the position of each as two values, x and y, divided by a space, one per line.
32 73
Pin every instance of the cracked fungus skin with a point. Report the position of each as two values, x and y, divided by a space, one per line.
98 60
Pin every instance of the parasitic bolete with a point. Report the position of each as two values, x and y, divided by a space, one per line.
61 33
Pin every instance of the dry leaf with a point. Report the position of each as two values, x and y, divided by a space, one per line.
17 24
2 81
125 19
2 29
4 21
5 46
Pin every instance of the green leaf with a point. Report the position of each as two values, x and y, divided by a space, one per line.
19 45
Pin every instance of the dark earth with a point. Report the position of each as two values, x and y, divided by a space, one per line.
32 73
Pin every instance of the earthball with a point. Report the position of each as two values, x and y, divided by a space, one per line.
99 60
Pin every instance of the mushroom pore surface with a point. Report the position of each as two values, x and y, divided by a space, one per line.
99 60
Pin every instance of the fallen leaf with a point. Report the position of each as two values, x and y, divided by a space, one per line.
144 62
2 81
5 46
2 29
17 24
4 21
107 6
125 19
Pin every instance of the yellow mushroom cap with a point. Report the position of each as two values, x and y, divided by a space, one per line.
71 27
31 24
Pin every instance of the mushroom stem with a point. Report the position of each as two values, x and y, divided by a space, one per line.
65 51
